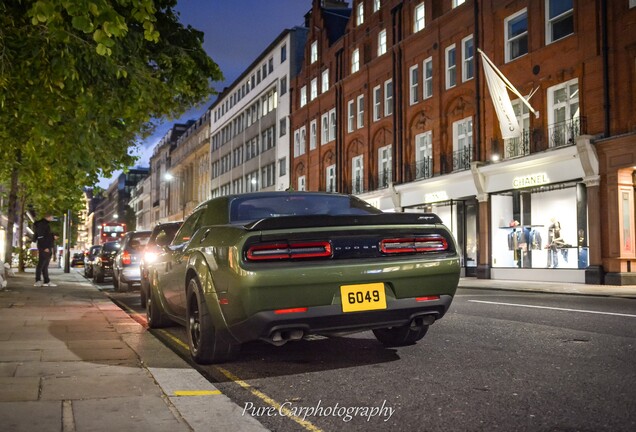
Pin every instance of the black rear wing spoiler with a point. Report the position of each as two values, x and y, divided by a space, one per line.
290 222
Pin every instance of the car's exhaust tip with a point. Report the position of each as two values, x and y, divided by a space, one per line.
281 337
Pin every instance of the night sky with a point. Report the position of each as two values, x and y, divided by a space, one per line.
236 32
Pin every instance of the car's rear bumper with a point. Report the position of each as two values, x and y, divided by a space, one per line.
131 275
331 319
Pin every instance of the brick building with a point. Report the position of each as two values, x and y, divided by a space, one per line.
391 104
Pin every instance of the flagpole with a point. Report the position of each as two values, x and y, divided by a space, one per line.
508 83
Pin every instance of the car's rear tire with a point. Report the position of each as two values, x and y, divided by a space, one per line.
207 344
400 336
156 316
115 282
143 296
98 276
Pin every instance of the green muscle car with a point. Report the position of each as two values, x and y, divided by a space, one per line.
276 266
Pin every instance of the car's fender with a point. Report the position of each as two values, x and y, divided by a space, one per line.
198 267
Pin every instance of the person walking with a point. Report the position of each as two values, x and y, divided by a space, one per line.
45 240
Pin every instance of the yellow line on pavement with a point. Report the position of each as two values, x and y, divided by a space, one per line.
196 392
269 401
262 396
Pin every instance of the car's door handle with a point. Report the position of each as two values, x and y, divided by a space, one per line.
204 236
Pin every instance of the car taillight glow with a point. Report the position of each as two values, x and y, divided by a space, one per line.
125 258
427 298
430 243
290 310
285 251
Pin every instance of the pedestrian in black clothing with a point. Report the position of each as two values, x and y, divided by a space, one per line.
46 243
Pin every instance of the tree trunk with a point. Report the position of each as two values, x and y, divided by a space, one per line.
21 263
11 214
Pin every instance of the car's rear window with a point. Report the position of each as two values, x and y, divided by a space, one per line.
138 240
253 208
110 247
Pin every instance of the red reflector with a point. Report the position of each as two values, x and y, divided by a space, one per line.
284 251
430 243
292 310
125 258
224 301
427 298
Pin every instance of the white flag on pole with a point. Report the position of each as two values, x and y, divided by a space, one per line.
503 106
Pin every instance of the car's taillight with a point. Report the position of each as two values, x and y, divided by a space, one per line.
125 258
285 251
429 243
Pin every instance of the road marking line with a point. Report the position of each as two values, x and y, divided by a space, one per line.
262 396
196 392
268 400
554 308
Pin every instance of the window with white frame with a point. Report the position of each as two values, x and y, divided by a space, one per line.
632 4
418 18
468 58
283 53
332 125
376 5
330 178
451 67
355 60
351 116
516 35
360 111
324 130
563 113
282 167
384 166
381 42
559 19
462 143
414 85
456 3
519 146
377 103
301 183
303 96
313 53
428 77
388 97
237 186
360 13
314 89
313 134
324 82
283 85
424 155
357 174
303 140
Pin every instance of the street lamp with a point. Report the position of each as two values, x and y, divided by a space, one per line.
169 177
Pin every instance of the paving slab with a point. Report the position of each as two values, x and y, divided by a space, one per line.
15 389
41 416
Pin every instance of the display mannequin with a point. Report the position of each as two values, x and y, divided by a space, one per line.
555 241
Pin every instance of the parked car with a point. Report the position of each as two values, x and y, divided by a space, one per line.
88 260
77 259
164 233
103 262
126 262
276 266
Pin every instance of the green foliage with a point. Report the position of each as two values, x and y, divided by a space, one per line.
81 81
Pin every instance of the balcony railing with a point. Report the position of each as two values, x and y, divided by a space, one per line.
357 186
420 170
516 147
564 133
462 159
382 180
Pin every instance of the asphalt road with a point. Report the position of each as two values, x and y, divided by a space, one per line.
498 361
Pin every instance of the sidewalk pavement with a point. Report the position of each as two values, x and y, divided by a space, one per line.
71 360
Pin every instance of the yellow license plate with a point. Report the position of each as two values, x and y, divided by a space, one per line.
363 297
